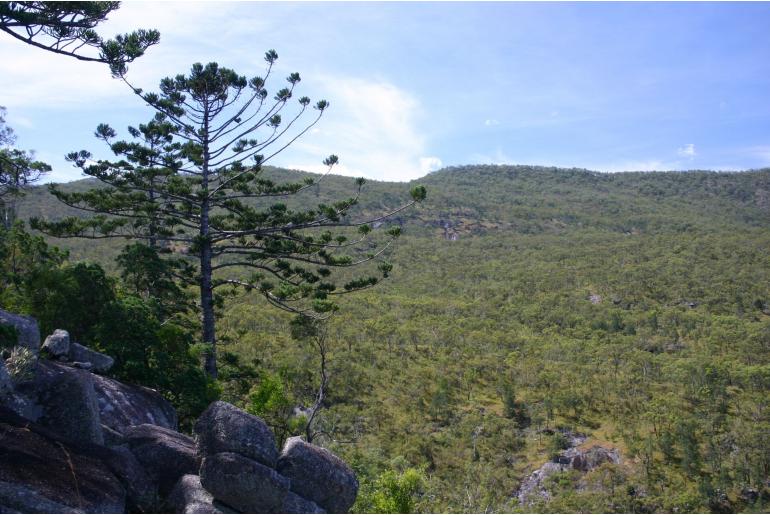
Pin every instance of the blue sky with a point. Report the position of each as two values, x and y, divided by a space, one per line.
417 86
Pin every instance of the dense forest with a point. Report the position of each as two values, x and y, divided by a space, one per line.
525 305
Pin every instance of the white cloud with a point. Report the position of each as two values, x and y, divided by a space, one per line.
687 151
372 125
429 164
490 122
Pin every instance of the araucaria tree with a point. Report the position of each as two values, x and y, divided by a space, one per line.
193 180
68 28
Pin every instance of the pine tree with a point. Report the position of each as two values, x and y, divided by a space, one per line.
67 28
194 179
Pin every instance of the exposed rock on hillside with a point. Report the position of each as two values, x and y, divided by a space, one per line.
534 487
77 442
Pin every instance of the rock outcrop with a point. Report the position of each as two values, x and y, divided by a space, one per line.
124 405
41 473
244 484
98 361
188 496
58 344
165 454
66 401
576 457
77 442
225 428
26 329
318 475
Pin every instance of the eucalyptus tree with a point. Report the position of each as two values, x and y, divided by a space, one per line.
67 28
194 181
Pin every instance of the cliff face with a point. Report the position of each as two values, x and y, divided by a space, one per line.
78 442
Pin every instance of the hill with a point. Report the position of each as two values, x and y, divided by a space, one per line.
533 307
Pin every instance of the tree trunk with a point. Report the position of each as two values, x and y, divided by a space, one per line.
207 292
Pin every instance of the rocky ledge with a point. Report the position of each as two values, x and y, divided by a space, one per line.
78 442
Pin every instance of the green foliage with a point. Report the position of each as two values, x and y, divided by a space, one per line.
67 28
391 493
272 400
192 178
613 305
9 337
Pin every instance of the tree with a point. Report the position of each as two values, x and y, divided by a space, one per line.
194 180
18 169
67 28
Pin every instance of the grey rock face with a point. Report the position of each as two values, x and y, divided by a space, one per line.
123 405
225 428
534 486
318 475
188 496
591 458
246 485
141 491
6 383
67 402
15 498
165 454
293 503
99 362
26 327
58 343
41 475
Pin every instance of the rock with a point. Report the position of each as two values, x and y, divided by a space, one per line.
587 460
318 475
112 438
534 487
15 498
82 365
165 454
58 344
293 503
6 383
23 406
100 362
225 428
40 474
67 399
123 405
188 496
141 491
246 485
26 328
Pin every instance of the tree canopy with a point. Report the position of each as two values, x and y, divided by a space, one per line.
68 28
192 180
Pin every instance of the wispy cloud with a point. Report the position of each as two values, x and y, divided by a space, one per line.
491 122
372 125
687 151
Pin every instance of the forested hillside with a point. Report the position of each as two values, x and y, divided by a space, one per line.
528 305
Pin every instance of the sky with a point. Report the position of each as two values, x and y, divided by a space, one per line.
415 87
